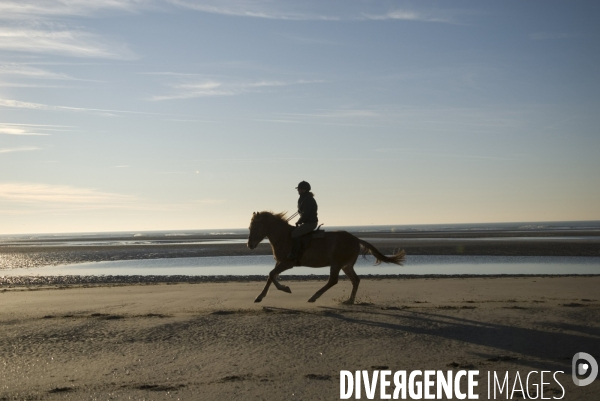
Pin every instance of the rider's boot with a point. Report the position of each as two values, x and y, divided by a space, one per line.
293 256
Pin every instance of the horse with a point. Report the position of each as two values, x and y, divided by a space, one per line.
338 249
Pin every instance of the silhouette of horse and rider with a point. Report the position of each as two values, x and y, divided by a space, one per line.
303 246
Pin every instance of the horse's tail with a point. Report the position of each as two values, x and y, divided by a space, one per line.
397 258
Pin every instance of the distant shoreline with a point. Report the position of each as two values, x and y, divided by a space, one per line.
523 226
35 253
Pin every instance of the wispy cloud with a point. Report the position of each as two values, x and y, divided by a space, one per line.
202 89
51 127
28 9
341 113
44 198
37 26
314 122
338 117
12 129
21 149
44 193
552 35
215 88
406 15
463 120
256 9
27 71
17 104
27 75
309 10
170 73
64 42
30 85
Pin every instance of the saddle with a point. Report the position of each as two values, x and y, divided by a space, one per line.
316 233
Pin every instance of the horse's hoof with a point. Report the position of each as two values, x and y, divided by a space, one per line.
312 300
287 289
258 299
348 302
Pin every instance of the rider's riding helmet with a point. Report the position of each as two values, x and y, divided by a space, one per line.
304 185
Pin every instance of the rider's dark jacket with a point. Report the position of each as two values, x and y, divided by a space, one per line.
307 208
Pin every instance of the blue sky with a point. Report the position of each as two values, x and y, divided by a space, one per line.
191 114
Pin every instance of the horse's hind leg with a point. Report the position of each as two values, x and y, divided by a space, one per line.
334 272
349 270
279 268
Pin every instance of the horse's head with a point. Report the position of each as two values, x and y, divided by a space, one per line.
258 229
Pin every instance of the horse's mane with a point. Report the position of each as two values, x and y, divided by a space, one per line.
278 216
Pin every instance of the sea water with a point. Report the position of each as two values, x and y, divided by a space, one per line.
261 265
191 236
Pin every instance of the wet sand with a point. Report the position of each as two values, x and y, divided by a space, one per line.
209 341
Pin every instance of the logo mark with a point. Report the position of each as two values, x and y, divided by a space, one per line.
582 368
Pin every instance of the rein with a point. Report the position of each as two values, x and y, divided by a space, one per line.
291 217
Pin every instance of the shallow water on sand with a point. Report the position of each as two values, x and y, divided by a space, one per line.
261 265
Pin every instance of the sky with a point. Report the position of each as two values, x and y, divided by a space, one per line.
120 115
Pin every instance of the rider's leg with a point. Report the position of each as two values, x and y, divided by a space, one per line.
295 249
296 234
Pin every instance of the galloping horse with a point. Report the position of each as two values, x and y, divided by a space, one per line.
339 249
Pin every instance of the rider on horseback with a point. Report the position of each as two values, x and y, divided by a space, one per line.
307 209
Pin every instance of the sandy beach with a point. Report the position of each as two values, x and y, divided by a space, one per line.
209 341
203 338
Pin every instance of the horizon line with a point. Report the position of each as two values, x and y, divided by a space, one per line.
332 226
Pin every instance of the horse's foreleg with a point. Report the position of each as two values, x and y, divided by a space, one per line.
279 268
334 272
264 291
